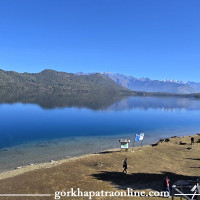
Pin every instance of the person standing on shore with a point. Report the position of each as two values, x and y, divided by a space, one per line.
167 185
192 141
125 165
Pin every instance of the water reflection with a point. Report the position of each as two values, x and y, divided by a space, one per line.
50 100
162 103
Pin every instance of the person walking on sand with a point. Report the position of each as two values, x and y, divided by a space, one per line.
192 141
125 165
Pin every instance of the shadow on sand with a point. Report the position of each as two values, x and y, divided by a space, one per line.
107 152
193 158
140 181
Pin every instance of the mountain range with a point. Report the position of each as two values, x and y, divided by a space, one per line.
94 83
148 85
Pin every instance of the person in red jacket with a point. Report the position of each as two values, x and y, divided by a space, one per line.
167 185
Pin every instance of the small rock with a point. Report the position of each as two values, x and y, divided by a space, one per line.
155 144
161 140
182 143
98 164
5 149
167 140
30 164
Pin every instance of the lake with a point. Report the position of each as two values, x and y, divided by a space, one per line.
32 131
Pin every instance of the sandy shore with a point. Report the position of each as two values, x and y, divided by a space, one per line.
147 166
32 167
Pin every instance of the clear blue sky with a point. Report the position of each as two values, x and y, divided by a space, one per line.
143 38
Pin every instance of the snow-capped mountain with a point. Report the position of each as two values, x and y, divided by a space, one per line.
148 85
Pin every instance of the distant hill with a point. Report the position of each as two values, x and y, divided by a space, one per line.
60 81
148 85
92 84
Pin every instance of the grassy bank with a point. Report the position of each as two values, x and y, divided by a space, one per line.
147 166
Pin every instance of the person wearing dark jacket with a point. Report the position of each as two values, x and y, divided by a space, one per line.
192 141
125 165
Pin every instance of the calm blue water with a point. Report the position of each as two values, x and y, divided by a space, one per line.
48 130
157 117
